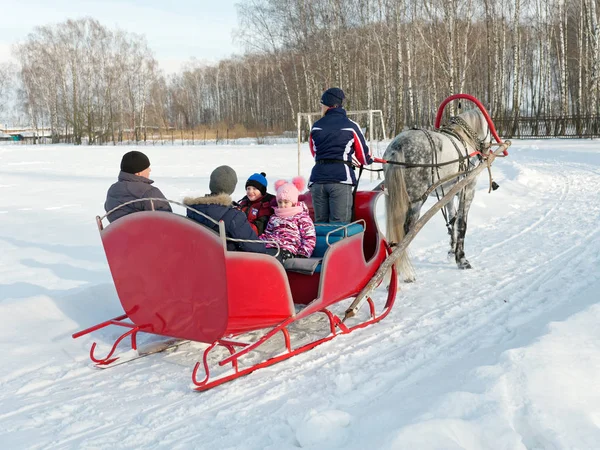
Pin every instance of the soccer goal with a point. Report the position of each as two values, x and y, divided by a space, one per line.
369 120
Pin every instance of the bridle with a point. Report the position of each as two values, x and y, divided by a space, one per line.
482 145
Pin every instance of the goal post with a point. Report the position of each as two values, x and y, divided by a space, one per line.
371 119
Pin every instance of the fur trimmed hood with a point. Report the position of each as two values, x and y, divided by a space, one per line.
220 199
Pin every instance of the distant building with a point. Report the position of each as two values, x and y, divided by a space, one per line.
29 132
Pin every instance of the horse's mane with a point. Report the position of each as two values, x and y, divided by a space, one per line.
476 120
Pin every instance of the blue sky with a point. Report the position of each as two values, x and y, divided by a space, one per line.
176 30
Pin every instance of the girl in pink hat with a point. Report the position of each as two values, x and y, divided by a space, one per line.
291 226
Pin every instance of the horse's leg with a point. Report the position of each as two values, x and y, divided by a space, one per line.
413 215
466 198
450 208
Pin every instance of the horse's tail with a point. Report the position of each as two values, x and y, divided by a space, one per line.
397 206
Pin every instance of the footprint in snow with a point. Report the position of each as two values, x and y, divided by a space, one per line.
327 429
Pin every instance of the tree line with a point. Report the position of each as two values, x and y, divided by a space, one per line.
535 58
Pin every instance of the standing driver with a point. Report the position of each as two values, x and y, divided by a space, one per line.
334 139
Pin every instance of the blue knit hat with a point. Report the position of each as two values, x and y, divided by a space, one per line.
333 97
259 181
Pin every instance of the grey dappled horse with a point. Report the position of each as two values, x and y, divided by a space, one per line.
443 154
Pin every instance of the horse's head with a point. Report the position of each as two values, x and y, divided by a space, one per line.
476 127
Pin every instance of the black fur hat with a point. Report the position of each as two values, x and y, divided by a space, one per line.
134 162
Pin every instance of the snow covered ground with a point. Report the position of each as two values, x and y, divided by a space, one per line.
504 356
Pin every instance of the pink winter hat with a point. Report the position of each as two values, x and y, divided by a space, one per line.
289 191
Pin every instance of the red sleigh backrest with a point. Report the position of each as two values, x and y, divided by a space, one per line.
259 292
170 274
175 278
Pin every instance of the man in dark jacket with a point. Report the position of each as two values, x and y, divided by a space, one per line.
133 183
333 140
218 205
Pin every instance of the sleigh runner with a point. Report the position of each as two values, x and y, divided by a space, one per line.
176 278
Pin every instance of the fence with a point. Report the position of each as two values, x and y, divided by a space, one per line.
549 127
508 128
164 137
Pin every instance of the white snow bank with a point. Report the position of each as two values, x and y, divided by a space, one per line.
504 356
544 395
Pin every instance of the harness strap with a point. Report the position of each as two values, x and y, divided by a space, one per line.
435 169
412 166
334 161
360 171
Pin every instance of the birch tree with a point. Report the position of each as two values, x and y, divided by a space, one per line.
7 86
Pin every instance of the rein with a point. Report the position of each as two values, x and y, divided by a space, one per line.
457 121
462 132
448 130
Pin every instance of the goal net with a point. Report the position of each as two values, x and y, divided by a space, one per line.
370 122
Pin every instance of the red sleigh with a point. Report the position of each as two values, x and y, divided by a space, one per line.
175 278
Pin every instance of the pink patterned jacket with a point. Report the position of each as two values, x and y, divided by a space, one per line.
293 229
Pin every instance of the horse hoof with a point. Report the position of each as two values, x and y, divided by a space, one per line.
410 278
464 265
